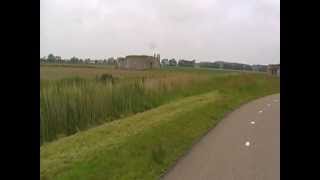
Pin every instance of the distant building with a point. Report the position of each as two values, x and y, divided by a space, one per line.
274 69
139 62
183 62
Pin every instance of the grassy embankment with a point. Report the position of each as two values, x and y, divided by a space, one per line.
83 97
144 145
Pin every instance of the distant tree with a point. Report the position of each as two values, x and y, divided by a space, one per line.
51 58
74 60
183 62
58 59
111 61
208 65
165 62
172 62
87 61
248 67
43 59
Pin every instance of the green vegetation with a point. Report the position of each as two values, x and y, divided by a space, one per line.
69 105
145 145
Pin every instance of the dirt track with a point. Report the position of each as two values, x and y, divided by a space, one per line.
244 146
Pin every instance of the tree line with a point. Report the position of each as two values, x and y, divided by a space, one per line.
233 66
52 59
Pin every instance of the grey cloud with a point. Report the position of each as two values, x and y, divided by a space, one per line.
233 30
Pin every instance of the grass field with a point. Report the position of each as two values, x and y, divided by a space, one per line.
74 97
144 143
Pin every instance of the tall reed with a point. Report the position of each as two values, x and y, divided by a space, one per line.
74 104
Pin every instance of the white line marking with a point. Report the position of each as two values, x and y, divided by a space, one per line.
260 111
268 105
252 122
247 143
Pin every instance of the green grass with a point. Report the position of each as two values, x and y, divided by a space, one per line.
78 99
145 145
60 71
75 104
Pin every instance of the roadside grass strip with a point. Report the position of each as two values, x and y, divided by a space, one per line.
140 146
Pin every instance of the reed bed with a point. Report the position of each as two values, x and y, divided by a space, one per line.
73 104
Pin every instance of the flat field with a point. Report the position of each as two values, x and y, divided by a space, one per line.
102 123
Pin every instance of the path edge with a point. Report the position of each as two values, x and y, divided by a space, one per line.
196 141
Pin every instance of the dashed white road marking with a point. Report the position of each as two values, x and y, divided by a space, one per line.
268 105
260 111
252 122
247 143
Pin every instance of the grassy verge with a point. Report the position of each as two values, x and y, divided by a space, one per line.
73 104
145 145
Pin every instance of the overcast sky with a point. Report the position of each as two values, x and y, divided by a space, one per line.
246 31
